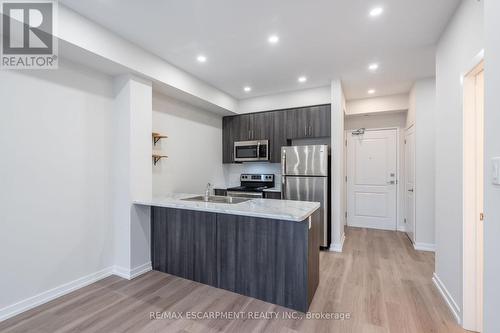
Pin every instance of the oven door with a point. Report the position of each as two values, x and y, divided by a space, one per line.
250 151
241 194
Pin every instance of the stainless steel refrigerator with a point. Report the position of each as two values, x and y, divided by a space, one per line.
304 177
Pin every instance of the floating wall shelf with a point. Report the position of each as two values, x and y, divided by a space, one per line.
157 137
156 158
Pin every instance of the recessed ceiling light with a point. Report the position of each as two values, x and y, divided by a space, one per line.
302 79
247 89
373 67
201 58
377 11
273 39
371 91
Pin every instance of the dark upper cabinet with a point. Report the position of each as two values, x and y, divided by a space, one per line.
228 135
242 126
254 126
278 136
309 122
320 118
297 123
260 126
276 126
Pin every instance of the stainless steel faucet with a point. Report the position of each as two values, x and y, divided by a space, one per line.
207 191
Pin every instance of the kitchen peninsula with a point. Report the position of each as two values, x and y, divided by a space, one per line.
263 248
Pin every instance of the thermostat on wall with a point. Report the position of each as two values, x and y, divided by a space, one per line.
495 162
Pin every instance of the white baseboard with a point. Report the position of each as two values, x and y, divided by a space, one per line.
49 295
371 226
455 310
337 247
132 273
401 228
424 247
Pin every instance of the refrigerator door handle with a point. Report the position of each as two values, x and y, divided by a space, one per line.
283 170
283 163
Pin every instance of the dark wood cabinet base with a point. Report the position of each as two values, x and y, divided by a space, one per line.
272 260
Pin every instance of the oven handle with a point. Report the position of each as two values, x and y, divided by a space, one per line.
244 194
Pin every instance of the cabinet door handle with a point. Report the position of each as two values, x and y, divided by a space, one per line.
310 130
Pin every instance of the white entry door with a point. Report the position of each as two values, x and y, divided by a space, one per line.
372 179
410 183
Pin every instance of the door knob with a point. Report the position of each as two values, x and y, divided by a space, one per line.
391 182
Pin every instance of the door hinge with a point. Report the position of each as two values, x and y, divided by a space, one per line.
346 143
345 214
405 220
405 141
481 216
346 179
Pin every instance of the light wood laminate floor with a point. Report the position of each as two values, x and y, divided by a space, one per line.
379 279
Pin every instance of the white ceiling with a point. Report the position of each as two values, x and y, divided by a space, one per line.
321 39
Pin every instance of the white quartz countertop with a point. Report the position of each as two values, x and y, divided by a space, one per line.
264 208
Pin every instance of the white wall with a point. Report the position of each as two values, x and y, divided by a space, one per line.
389 103
424 92
306 97
460 43
55 193
412 104
132 175
194 147
338 165
385 120
492 149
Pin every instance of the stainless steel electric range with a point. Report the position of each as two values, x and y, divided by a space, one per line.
252 186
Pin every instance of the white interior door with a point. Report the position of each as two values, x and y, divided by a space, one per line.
473 187
479 196
372 179
410 183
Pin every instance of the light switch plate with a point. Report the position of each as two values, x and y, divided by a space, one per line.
495 167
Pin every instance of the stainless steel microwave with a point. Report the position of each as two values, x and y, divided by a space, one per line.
251 151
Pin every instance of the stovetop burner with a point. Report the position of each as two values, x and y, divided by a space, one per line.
254 183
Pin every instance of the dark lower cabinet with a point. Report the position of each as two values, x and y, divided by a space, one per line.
272 195
220 191
183 243
265 260
272 260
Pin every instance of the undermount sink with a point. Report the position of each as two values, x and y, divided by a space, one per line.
217 199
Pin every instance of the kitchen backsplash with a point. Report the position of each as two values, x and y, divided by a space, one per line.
232 172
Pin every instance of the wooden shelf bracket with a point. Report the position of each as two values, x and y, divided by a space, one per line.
157 137
157 158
